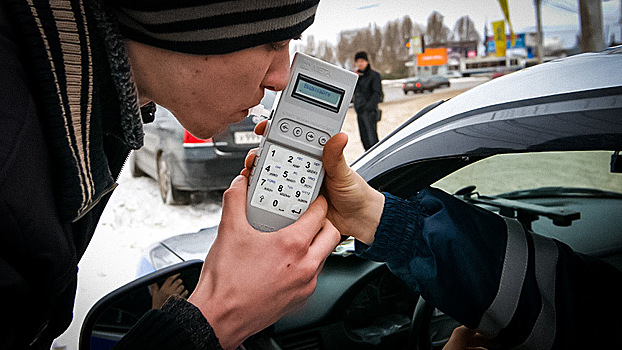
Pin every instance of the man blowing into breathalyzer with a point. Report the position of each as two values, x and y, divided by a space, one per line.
79 79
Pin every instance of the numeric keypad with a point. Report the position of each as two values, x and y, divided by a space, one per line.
286 182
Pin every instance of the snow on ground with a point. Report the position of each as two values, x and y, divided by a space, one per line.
134 218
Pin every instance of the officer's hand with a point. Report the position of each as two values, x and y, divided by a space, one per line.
353 206
463 338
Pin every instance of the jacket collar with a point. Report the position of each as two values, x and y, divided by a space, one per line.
366 70
84 90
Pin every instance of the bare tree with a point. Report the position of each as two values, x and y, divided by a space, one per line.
310 47
406 33
375 44
394 51
389 56
437 32
385 46
418 29
363 41
345 48
407 28
464 30
326 52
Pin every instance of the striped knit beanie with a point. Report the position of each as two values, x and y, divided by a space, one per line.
207 27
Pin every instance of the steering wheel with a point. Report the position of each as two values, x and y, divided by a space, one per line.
419 334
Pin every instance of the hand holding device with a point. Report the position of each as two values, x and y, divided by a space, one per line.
239 281
288 169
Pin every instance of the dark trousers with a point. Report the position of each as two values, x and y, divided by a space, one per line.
368 128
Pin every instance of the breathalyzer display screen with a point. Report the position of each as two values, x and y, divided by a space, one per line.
318 93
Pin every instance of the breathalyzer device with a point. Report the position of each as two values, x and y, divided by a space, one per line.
288 170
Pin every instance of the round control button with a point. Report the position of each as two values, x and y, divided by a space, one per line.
284 127
297 131
310 136
322 140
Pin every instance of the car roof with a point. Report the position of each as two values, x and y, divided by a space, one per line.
573 103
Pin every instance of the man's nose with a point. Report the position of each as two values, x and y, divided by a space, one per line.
278 73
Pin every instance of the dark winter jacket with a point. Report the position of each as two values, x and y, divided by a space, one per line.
368 92
69 116
488 273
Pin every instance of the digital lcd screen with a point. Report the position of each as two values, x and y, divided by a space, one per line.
318 93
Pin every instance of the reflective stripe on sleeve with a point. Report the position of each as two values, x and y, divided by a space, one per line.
543 333
502 308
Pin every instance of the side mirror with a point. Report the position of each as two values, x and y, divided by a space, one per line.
115 314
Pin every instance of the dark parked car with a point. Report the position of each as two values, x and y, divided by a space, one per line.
416 85
541 145
440 81
182 163
420 84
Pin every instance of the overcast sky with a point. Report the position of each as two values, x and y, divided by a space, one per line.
334 16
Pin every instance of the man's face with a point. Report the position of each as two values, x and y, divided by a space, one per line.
207 93
361 64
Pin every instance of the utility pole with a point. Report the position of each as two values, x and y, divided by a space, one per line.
539 34
591 15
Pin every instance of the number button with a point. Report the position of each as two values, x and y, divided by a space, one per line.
287 181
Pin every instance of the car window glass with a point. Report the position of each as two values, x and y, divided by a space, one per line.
569 183
513 172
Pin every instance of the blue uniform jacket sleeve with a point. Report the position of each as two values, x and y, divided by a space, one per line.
490 274
438 245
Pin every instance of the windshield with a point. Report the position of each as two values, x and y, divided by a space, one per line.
549 183
512 172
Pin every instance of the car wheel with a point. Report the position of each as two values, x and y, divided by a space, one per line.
170 195
134 169
405 92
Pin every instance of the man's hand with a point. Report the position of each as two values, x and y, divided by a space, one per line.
250 279
354 207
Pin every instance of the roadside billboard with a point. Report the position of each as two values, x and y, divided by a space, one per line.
498 29
432 57
519 44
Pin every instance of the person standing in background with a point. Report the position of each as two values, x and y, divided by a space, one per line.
367 95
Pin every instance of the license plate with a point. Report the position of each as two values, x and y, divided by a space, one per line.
246 138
